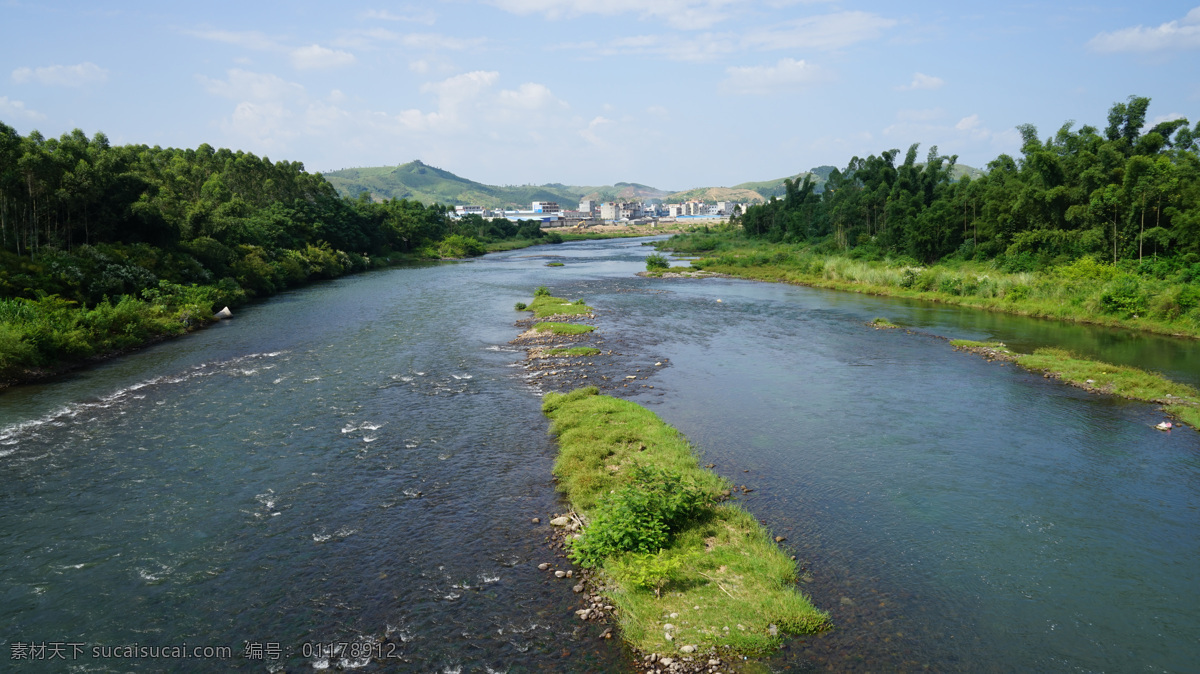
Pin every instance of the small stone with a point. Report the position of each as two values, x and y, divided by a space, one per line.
780 539
578 588
537 520
674 615
793 558
560 574
543 566
668 637
714 663
668 627
687 649
667 661
658 364
773 630
606 634
847 601
570 573
560 521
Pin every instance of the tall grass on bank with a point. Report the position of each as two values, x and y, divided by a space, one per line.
51 330
1179 400
1085 290
663 544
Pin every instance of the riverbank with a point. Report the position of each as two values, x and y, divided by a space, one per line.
1084 291
692 578
1178 400
50 336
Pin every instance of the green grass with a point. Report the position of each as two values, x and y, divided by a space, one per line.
882 322
563 328
545 305
555 264
722 561
1084 291
1179 400
573 351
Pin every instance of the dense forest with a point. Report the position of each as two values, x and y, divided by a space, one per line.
1125 194
103 247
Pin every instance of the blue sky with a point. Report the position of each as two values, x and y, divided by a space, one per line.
671 93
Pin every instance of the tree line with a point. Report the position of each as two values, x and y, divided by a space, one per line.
1128 194
103 246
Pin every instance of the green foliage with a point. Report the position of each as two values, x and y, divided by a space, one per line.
649 571
1123 295
457 245
541 291
554 237
656 262
639 517
520 306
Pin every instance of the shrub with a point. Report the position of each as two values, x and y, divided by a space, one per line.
1123 295
540 291
520 306
655 262
554 237
639 517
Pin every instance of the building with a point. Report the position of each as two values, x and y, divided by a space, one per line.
547 207
468 210
588 206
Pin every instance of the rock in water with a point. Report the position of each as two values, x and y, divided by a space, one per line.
224 313
560 521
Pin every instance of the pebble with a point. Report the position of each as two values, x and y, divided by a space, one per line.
667 661
560 574
543 566
668 627
578 588
668 637
780 539
570 574
714 663
687 649
560 521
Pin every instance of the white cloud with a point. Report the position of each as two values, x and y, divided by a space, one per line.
1171 36
250 39
315 56
825 32
420 66
530 96
684 14
243 85
64 76
309 57
408 14
1169 117
921 81
968 123
11 108
590 133
786 75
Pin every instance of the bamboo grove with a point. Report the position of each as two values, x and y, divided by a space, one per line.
1128 194
103 247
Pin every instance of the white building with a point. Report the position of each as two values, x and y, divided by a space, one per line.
547 207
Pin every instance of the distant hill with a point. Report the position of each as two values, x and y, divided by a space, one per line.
427 184
420 182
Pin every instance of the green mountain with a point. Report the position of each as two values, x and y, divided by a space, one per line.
420 182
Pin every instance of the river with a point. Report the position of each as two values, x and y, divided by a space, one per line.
359 462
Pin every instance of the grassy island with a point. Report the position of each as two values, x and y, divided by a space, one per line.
687 572
1179 400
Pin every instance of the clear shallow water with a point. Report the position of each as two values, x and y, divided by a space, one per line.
359 461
